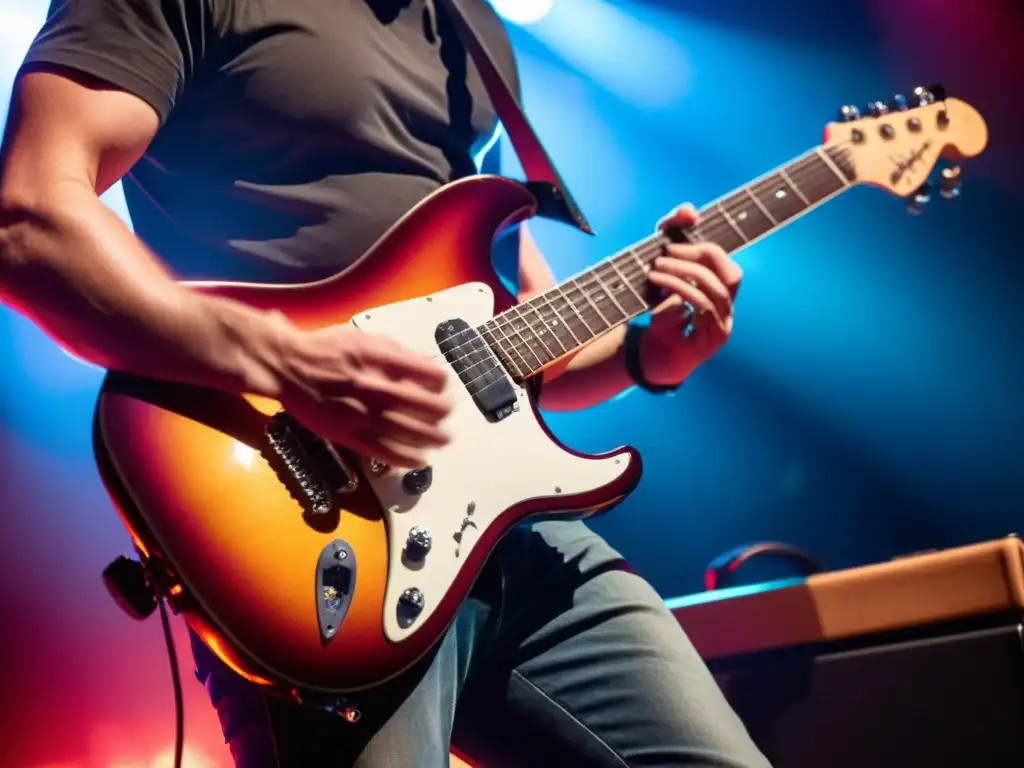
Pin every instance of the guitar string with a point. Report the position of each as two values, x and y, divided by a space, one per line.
597 275
637 256
712 226
797 184
493 357
802 176
715 222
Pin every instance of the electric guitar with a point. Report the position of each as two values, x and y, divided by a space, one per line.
318 573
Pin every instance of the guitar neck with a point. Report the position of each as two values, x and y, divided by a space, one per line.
530 336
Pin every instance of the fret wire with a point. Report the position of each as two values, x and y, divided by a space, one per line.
503 354
562 320
786 177
757 202
732 223
835 168
609 294
575 282
575 316
629 283
550 330
574 309
529 347
551 355
765 185
586 295
817 177
515 348
841 157
738 212
643 267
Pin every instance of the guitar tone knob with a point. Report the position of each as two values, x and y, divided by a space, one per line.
418 544
418 481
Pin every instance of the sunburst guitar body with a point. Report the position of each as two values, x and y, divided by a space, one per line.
319 573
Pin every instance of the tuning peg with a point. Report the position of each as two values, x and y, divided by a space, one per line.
919 199
899 103
878 108
950 182
849 113
923 96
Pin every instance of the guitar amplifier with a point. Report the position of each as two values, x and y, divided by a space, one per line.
915 662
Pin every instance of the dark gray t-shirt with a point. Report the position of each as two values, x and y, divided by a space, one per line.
293 132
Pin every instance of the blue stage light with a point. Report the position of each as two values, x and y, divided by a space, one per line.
523 11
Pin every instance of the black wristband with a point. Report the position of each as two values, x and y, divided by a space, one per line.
631 355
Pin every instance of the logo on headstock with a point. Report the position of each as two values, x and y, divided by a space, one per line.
907 164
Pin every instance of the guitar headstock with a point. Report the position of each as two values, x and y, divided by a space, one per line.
897 145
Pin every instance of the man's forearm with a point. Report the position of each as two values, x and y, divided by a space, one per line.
74 268
597 373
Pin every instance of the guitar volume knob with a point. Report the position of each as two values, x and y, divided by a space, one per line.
418 481
418 543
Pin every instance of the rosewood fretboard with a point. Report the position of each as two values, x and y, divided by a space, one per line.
558 321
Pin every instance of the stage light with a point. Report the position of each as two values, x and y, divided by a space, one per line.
523 11
190 758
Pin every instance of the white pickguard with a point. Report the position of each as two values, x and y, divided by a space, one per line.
493 465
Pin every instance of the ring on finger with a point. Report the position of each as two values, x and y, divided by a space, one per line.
689 319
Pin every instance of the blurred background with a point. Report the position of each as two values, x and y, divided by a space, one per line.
869 404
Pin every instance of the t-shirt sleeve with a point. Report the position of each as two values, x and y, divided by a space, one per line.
145 47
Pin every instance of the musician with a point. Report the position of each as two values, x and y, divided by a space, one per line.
276 140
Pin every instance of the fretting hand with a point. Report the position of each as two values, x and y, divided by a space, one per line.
700 282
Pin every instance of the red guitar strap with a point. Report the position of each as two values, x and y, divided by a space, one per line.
543 180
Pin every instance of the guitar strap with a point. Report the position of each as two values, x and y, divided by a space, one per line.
543 180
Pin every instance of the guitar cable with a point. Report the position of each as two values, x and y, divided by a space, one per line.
179 701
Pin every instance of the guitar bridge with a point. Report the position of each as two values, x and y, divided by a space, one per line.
308 465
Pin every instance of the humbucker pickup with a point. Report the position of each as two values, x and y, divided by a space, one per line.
478 368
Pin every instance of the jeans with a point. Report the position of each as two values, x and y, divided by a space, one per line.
579 664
